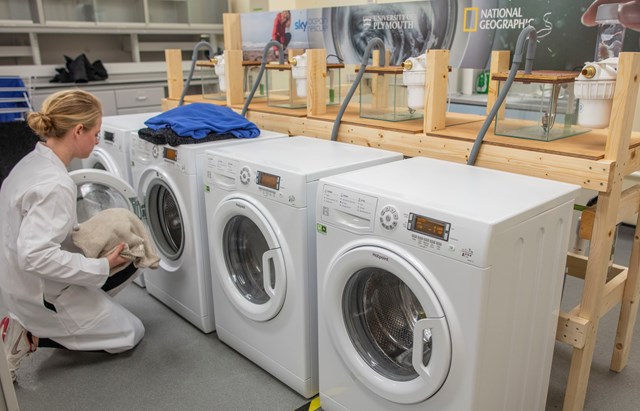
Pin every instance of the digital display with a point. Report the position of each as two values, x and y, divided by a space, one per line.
429 226
170 154
269 180
108 136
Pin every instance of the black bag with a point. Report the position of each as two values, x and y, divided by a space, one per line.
80 70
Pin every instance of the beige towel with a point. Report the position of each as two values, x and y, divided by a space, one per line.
102 233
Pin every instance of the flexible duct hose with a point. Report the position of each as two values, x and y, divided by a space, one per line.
194 57
529 33
256 83
365 59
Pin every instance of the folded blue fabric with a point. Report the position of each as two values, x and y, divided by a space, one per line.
197 120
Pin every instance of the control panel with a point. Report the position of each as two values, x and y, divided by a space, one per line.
416 226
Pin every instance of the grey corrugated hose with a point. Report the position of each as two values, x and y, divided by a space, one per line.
365 60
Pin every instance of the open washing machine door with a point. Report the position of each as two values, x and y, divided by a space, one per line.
250 263
387 324
99 190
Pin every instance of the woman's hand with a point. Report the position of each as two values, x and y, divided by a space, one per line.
115 259
628 13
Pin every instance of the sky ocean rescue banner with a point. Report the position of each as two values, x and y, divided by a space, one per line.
470 29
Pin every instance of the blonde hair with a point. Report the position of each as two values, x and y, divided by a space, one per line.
63 110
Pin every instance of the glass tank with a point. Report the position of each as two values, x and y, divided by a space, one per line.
383 96
281 88
334 84
539 106
210 89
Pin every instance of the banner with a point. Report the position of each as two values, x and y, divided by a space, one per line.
470 29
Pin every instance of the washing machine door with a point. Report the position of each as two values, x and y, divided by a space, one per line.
387 324
99 190
164 215
250 263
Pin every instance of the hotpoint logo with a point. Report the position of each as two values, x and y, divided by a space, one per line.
380 257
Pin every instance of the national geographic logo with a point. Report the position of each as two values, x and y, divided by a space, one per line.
495 18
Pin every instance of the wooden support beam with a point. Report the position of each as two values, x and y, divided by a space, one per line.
232 31
235 76
316 82
572 329
175 77
628 307
629 204
436 83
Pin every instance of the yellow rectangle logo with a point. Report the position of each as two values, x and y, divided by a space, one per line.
470 22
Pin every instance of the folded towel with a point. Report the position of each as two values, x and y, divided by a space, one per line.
197 120
101 234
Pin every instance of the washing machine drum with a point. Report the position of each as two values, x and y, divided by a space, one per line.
165 219
380 313
95 197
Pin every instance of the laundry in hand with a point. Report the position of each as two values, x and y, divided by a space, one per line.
101 234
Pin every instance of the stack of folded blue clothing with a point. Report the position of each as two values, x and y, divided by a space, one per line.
197 123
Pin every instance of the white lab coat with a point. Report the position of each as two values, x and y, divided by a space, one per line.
37 215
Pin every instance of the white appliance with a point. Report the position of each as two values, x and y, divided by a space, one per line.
113 152
170 186
260 217
439 287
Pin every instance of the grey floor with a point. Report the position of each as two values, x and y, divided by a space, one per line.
176 367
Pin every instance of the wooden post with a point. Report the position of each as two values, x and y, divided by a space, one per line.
499 63
232 31
436 89
316 82
235 76
617 147
175 77
379 82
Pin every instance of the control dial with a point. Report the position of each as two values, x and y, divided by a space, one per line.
245 175
389 217
155 151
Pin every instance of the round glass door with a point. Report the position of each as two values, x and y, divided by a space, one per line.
244 246
98 190
249 262
380 313
165 219
386 323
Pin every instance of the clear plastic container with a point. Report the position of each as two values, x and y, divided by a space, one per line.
610 32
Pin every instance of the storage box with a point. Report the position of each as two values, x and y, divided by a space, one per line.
383 96
539 106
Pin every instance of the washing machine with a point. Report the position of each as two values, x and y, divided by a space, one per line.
170 187
113 151
260 218
438 287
